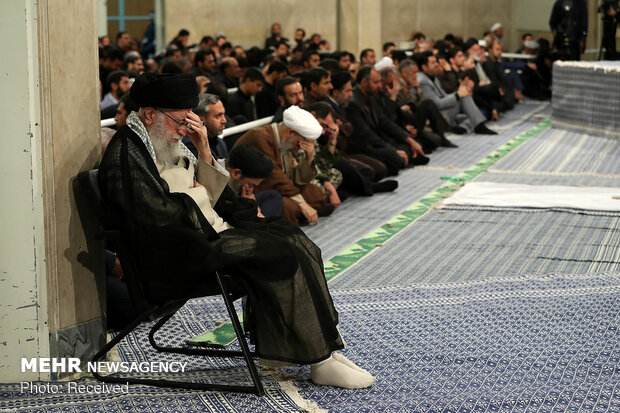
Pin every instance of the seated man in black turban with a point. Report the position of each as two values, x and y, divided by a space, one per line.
163 197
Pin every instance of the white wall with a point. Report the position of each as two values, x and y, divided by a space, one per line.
532 15
22 249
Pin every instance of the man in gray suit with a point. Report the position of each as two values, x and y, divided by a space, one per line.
450 104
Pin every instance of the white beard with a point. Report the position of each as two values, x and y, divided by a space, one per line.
165 149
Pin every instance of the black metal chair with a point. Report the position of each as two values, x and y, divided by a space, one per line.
97 225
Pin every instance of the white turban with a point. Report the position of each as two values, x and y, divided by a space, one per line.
385 62
496 26
302 122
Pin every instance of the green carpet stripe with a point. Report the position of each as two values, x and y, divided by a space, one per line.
224 334
376 238
221 336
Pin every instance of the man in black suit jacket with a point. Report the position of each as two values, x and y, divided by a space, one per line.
240 105
374 134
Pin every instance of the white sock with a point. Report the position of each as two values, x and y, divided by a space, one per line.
342 359
333 373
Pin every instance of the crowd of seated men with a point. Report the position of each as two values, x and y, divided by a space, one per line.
378 114
385 113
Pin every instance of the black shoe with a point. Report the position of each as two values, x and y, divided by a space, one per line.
420 160
326 209
385 186
458 130
482 129
343 194
447 144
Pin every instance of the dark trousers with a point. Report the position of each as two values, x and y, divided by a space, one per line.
388 157
378 168
120 311
354 181
425 111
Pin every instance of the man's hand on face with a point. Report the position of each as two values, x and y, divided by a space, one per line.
198 134
470 63
247 191
310 213
393 89
308 147
333 127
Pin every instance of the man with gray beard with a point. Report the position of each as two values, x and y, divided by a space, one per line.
161 197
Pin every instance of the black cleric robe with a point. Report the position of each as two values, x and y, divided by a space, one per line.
292 316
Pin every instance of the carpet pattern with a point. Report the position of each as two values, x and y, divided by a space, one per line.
474 147
585 97
558 150
541 178
459 244
360 215
438 348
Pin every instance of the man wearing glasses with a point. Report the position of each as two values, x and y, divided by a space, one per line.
162 197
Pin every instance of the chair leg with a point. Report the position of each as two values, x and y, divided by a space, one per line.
257 388
241 338
189 351
245 351
105 349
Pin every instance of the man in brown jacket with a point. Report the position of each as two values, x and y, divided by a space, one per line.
290 145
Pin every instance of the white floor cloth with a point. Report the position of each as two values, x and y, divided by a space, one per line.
536 196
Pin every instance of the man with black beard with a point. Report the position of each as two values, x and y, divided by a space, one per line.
451 104
289 93
376 135
162 197
339 99
211 111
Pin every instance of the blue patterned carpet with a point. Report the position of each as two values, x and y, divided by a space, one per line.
434 348
521 344
459 244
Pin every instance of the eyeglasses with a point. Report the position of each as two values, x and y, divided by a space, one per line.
179 122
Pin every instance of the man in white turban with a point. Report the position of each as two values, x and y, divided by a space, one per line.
290 145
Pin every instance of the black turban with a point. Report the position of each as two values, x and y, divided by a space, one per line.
469 43
340 78
251 162
165 90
